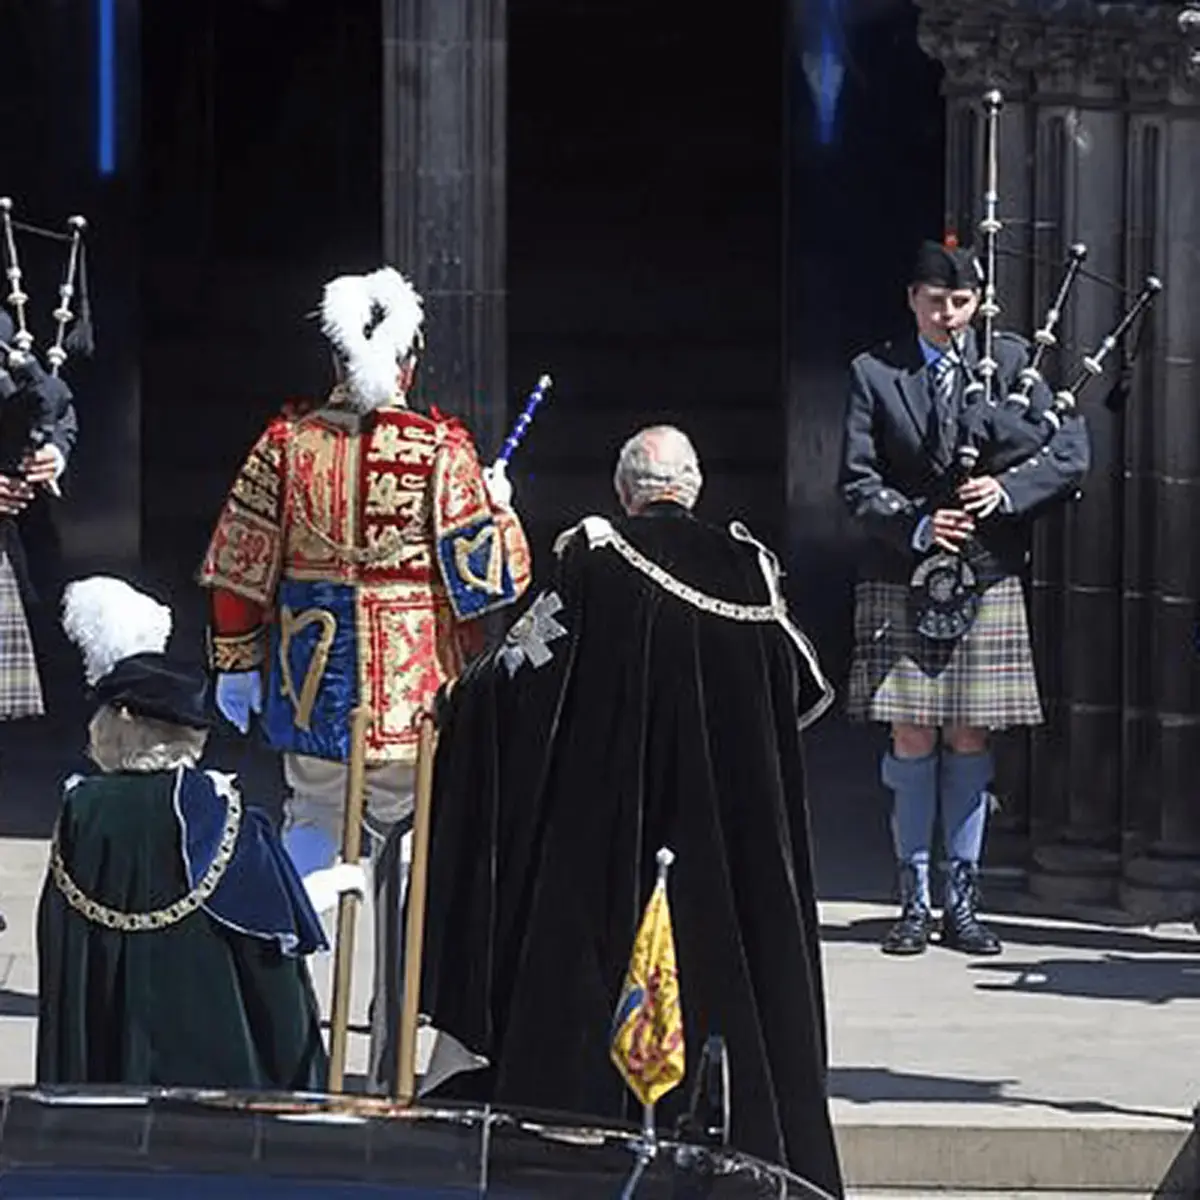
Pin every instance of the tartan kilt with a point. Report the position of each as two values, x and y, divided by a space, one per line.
20 683
985 679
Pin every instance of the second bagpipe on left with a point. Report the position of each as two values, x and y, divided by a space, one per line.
32 398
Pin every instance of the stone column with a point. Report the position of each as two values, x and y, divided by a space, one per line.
444 86
1113 137
1161 875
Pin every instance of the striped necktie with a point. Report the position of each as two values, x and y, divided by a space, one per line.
942 382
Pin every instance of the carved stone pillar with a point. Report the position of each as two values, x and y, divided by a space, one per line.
444 87
1107 106
1161 877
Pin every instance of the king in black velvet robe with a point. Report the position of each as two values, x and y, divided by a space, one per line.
565 761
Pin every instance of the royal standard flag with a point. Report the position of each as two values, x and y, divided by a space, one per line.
646 1042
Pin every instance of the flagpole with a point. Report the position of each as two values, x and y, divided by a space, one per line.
645 1154
647 1146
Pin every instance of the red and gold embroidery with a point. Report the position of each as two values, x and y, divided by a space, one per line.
319 500
407 650
397 465
237 652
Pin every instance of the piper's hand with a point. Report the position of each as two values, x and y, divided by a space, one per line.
982 495
44 466
15 495
496 480
951 528
239 693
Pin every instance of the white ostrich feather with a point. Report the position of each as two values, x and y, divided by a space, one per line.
109 620
371 361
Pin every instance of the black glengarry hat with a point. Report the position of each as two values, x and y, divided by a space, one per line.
150 685
122 634
947 266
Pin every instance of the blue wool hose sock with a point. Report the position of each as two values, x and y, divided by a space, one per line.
913 783
965 779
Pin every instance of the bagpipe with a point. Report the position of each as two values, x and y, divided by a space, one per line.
994 433
33 399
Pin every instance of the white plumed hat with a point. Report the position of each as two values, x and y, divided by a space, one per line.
373 321
110 621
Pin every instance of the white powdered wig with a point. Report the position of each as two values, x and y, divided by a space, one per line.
658 463
350 305
109 621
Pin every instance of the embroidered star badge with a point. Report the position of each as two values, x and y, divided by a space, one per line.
529 639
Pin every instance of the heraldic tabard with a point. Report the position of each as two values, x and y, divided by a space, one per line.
350 555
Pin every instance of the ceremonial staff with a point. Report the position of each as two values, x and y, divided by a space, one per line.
525 419
414 933
348 902
520 428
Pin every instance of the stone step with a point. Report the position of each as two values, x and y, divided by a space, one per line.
927 1194
996 1154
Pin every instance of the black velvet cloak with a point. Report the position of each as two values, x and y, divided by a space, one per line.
652 723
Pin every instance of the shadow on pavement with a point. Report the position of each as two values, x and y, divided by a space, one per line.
879 1085
17 1004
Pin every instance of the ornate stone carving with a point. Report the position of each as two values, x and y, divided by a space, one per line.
1150 50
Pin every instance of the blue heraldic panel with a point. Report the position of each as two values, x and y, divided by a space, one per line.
313 683
475 568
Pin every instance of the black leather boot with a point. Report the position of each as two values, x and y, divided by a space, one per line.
910 934
961 929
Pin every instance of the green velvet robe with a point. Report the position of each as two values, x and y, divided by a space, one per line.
192 1005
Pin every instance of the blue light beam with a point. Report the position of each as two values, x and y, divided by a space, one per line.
823 64
106 84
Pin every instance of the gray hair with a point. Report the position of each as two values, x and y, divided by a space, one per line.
119 740
658 463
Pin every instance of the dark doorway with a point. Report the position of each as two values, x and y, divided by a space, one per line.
645 253
864 188
262 124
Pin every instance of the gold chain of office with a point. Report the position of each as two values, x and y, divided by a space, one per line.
160 918
750 613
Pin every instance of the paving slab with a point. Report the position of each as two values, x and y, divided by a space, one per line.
1062 1063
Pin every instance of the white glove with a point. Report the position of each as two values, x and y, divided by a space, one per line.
239 693
496 481
326 886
